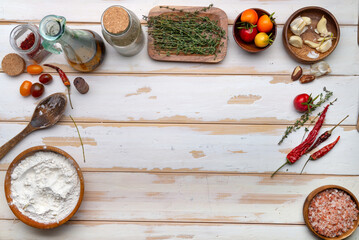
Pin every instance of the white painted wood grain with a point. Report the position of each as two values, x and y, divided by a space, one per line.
196 197
275 60
105 230
186 147
82 230
346 12
185 99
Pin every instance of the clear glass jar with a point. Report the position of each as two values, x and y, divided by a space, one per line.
122 30
25 39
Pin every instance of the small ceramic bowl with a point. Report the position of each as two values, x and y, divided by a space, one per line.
306 211
16 211
251 47
303 54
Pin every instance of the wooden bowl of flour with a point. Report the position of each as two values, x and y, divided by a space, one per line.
52 181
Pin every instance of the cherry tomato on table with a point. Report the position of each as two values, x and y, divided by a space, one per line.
25 88
248 35
249 16
262 39
300 102
265 23
45 78
37 90
34 69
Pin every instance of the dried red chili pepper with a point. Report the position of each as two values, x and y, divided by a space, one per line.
321 152
64 79
324 136
298 151
28 42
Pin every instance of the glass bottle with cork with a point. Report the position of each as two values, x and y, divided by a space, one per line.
122 30
84 49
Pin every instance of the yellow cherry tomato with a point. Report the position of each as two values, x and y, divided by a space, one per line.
262 40
34 69
25 88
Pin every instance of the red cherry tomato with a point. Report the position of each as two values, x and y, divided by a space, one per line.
249 16
248 35
265 24
300 100
34 69
25 88
45 78
37 90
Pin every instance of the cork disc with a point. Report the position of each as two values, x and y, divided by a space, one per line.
12 64
115 20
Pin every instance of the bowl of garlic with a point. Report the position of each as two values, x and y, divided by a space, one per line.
311 34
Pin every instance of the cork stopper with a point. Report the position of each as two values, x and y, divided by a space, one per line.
13 64
115 20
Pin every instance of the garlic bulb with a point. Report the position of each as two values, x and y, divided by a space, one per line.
296 41
324 46
298 26
311 44
320 69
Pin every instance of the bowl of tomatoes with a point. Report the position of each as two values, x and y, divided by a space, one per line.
254 30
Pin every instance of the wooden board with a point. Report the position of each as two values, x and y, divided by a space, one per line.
214 14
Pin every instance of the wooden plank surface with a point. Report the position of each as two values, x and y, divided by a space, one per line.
185 197
186 99
186 147
88 230
275 60
185 150
74 11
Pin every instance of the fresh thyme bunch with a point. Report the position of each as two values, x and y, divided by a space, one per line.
187 33
305 117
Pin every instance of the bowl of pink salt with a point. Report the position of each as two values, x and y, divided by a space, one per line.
331 212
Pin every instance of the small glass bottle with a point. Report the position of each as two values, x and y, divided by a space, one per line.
84 49
122 30
26 40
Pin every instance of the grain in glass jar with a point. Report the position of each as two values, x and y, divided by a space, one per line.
122 30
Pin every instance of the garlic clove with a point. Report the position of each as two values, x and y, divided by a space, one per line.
324 46
322 27
296 41
307 20
298 26
311 44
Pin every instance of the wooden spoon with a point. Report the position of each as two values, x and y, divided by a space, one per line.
47 113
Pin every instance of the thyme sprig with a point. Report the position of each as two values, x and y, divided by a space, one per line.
305 117
186 33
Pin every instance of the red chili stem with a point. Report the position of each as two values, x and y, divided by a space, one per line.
64 79
279 169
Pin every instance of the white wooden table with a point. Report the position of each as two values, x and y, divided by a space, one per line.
182 150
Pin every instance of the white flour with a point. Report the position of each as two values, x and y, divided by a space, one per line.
45 187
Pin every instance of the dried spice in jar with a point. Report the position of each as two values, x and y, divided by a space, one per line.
26 40
122 30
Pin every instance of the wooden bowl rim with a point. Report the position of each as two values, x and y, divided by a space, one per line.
274 30
286 29
7 186
306 209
